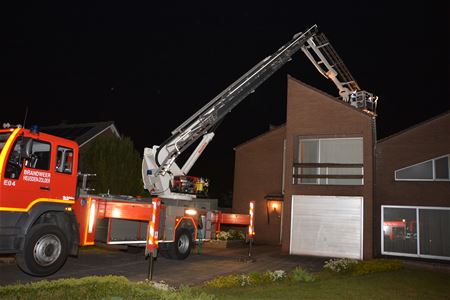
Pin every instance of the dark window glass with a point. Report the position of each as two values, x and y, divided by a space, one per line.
420 171
64 160
40 156
329 151
400 230
434 232
441 168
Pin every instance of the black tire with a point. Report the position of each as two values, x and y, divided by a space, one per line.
45 250
182 246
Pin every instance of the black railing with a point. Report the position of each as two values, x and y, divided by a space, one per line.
299 171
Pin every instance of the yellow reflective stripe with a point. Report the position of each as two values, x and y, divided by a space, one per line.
18 209
5 149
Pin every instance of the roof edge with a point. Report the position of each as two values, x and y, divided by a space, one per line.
68 125
111 126
432 119
328 95
259 136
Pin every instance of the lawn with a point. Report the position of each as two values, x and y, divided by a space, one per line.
400 284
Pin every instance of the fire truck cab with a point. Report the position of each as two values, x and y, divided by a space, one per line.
38 175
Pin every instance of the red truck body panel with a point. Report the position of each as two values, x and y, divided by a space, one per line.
38 183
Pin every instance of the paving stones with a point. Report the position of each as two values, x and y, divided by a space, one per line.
194 270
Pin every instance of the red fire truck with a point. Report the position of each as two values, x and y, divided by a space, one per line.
43 219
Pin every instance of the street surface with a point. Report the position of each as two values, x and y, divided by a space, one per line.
197 268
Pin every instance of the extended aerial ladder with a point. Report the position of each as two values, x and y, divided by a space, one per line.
159 166
323 56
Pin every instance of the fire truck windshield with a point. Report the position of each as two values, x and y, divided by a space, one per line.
3 138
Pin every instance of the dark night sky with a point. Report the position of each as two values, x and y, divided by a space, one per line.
149 67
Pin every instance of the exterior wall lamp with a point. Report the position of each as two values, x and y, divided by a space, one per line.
273 206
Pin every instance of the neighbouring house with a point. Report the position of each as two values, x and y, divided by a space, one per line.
312 178
82 133
412 191
258 176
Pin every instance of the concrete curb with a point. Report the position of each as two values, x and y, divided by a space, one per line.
7 260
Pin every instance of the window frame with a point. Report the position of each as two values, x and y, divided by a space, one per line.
22 161
18 163
64 160
49 155
325 166
3 143
418 254
433 170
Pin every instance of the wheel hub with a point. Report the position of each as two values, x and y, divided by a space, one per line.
47 250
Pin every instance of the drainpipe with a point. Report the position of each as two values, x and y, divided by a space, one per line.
283 179
374 185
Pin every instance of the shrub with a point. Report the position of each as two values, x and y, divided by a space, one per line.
222 236
224 282
259 278
340 265
299 274
108 156
249 279
93 287
231 235
98 287
277 275
244 280
375 266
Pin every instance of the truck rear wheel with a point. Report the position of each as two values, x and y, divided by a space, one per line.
182 246
45 250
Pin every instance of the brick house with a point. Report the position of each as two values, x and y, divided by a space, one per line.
323 186
412 206
312 178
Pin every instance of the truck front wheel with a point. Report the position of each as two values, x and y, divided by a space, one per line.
45 250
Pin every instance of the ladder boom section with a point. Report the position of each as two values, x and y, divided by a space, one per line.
209 115
324 57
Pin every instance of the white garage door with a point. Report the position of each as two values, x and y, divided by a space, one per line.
327 226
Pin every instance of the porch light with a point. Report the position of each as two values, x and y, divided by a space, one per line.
274 204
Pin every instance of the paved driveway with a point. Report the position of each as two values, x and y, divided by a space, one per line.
196 269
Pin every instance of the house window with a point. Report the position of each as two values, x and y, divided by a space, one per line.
435 232
334 161
400 230
415 231
430 170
